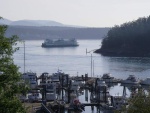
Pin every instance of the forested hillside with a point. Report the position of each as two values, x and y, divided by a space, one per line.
36 33
128 39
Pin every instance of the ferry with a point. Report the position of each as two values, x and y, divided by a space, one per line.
60 43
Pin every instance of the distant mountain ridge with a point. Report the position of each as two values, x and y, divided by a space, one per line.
5 22
51 32
30 23
46 29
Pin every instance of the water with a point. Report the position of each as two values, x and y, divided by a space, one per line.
75 61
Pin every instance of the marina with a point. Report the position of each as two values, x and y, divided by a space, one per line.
61 93
77 64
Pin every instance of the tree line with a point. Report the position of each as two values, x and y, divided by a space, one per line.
129 39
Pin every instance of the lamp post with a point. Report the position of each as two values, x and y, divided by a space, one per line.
92 62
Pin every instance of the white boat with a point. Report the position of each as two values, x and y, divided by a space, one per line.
51 87
130 80
35 96
108 78
51 91
101 82
31 78
74 86
60 43
145 82
55 76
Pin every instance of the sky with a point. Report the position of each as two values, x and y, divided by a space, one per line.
90 13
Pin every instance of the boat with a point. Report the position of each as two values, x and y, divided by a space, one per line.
34 96
56 76
145 82
100 82
74 85
108 78
60 43
51 91
130 80
31 78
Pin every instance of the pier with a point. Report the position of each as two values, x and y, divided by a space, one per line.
61 92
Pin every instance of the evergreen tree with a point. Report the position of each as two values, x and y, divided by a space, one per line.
128 39
9 75
139 103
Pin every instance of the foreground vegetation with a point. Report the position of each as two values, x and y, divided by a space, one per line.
139 103
9 76
128 39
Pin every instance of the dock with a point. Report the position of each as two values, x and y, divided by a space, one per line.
60 92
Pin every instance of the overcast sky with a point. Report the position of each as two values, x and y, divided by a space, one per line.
92 13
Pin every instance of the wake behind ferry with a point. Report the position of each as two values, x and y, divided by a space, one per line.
60 43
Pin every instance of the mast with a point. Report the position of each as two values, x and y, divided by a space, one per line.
24 55
91 65
93 68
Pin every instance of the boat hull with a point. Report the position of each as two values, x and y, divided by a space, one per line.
52 46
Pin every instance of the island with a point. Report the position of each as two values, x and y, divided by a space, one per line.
129 39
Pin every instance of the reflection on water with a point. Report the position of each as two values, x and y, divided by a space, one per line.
131 64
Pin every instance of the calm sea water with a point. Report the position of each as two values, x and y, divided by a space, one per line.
75 61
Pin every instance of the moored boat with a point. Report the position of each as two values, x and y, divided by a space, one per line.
31 78
34 96
131 80
109 79
145 82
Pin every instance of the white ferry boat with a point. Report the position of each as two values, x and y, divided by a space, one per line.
60 43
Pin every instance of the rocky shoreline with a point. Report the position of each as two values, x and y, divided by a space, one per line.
121 53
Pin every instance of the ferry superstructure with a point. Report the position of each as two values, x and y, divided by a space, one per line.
60 43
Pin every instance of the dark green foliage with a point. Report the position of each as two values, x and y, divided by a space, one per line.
138 104
9 77
128 39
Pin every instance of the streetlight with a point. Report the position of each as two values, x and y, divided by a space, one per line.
92 62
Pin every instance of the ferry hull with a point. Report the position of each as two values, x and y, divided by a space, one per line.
51 46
